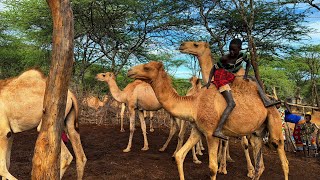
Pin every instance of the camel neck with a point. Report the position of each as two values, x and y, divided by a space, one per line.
177 106
116 93
206 63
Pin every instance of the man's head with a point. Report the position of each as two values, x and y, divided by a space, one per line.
235 47
308 116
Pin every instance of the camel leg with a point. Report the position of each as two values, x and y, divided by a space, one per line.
213 143
74 137
151 121
198 148
144 130
229 159
132 127
173 130
65 160
6 138
182 132
220 151
181 154
123 108
223 161
201 145
257 143
194 156
245 146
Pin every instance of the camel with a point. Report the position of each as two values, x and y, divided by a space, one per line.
203 53
94 102
21 109
195 87
136 95
204 109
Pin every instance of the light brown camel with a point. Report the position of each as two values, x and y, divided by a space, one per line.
203 53
94 102
195 87
21 109
137 95
204 109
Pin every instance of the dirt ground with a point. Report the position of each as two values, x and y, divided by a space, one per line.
103 146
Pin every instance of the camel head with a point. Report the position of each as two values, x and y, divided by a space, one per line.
146 72
105 76
194 48
194 81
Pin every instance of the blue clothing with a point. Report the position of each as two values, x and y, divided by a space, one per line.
292 118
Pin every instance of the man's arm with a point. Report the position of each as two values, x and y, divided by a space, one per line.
213 69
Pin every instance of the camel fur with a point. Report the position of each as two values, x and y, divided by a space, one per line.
204 109
21 109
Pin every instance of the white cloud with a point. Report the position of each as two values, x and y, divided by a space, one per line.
316 34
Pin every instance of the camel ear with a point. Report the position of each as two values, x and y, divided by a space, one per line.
206 45
190 79
160 65
198 81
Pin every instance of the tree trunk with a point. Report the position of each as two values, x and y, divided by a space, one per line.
46 159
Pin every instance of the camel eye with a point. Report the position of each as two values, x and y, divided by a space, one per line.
146 68
103 75
195 45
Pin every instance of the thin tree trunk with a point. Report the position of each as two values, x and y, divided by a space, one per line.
46 159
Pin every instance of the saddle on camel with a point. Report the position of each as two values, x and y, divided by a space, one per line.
224 73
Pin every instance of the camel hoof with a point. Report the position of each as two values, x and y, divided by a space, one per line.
202 149
162 149
122 130
145 149
223 171
200 153
127 150
230 160
197 162
250 174
151 130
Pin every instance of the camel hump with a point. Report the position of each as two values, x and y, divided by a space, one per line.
32 73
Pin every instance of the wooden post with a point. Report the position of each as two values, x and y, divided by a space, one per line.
46 159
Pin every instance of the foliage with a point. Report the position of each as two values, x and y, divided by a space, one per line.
273 77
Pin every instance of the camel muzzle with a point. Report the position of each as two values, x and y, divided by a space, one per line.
130 73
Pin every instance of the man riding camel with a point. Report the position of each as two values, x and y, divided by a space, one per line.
224 73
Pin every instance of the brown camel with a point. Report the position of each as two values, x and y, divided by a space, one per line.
136 95
94 102
195 87
203 53
204 109
21 109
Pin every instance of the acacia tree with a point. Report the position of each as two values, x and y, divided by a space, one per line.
264 26
46 159
310 56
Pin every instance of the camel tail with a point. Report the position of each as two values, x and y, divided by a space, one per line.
75 109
